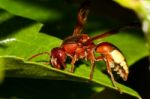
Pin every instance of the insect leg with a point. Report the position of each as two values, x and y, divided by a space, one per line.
91 57
108 61
74 59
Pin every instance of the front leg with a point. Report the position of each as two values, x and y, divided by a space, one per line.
91 57
92 69
74 59
79 54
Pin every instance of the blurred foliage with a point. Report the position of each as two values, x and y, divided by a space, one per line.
142 9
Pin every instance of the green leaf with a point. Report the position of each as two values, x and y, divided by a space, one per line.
36 10
1 72
17 67
3 17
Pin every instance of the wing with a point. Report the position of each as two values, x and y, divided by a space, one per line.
105 34
82 17
114 31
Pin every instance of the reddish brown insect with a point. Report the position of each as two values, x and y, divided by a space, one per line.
81 46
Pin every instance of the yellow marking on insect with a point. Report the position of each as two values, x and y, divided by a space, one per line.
117 56
120 60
